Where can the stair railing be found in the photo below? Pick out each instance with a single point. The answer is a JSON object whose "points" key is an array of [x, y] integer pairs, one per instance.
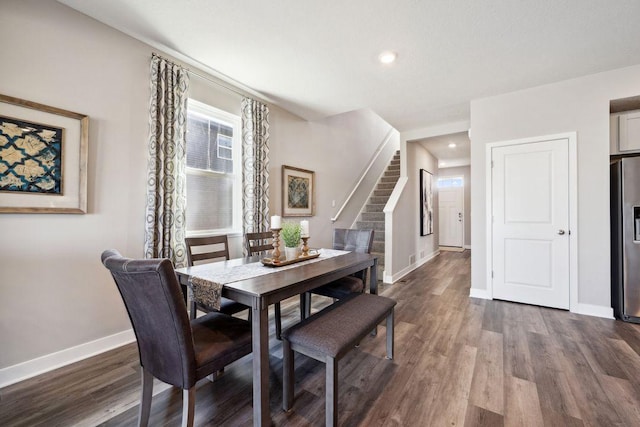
{"points": [[379, 150]]}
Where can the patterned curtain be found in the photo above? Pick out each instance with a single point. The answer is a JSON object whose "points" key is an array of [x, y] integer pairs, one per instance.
{"points": [[166, 177], [255, 166]]}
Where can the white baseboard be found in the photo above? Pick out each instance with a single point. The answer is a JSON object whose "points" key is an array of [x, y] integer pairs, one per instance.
{"points": [[594, 310], [31, 368], [479, 293], [399, 275]]}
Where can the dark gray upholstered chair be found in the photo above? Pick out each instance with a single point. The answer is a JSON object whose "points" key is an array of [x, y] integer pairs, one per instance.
{"points": [[215, 248], [260, 243], [172, 348], [348, 240]]}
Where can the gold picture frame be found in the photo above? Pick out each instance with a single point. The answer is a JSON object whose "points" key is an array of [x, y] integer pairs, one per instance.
{"points": [[43, 158], [298, 189]]}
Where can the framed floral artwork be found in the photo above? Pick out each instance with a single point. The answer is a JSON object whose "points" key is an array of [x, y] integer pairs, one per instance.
{"points": [[298, 188], [43, 158]]}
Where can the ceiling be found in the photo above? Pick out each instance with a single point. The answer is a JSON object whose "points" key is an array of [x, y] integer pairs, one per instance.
{"points": [[319, 58], [439, 146]]}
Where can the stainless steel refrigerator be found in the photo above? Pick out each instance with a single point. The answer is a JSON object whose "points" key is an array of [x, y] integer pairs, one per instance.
{"points": [[625, 238]]}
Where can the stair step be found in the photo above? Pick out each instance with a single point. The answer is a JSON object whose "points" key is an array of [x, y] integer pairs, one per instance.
{"points": [[387, 179], [378, 246], [392, 172], [385, 185], [378, 236], [374, 207], [378, 200], [373, 216], [386, 192], [371, 225]]}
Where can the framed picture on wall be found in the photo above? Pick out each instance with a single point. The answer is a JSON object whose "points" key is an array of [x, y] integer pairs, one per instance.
{"points": [[298, 189], [43, 158], [426, 203]]}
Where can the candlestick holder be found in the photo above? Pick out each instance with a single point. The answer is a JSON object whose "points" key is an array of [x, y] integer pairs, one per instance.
{"points": [[305, 248], [275, 255]]}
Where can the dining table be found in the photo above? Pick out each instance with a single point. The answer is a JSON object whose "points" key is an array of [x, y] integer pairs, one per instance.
{"points": [[250, 282]]}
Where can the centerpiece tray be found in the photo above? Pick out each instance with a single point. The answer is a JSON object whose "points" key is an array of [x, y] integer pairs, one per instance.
{"points": [[270, 263]]}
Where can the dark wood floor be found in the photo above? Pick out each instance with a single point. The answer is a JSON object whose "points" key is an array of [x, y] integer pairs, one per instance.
{"points": [[459, 361]]}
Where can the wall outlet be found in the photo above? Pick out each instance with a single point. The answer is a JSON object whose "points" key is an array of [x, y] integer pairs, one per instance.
{"points": [[412, 259], [333, 203], [421, 254]]}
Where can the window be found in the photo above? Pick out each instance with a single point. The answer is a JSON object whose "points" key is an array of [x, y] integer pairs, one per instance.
{"points": [[450, 182], [214, 175]]}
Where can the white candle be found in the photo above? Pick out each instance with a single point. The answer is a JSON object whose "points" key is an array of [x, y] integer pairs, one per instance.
{"points": [[276, 221], [304, 228]]}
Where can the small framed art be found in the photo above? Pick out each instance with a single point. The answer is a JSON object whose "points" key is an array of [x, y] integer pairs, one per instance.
{"points": [[298, 189]]}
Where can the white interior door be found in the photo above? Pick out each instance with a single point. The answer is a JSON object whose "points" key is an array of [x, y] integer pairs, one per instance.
{"points": [[451, 225], [530, 220]]}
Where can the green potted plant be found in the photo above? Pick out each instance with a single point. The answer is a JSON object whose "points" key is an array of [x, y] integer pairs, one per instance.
{"points": [[290, 234]]}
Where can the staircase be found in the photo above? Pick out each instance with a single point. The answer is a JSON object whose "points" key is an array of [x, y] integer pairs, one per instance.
{"points": [[372, 217]]}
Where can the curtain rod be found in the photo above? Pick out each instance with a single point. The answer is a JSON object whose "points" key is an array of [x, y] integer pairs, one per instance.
{"points": [[244, 94]]}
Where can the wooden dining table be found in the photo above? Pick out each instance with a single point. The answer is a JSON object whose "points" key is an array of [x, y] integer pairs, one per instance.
{"points": [[263, 290]]}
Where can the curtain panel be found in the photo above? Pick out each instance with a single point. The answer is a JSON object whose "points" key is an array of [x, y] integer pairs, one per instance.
{"points": [[255, 166], [166, 177]]}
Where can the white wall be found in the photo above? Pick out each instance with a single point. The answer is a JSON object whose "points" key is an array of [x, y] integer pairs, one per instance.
{"points": [[465, 172], [409, 248], [56, 298], [580, 105], [55, 294], [337, 149]]}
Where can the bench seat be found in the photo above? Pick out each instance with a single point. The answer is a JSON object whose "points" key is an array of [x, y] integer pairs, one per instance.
{"points": [[331, 333]]}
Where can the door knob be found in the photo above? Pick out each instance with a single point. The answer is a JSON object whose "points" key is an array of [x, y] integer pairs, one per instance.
{"points": [[561, 232]]}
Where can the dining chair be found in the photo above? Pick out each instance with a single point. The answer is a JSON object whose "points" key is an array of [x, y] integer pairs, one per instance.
{"points": [[348, 240], [172, 348], [257, 243], [211, 249]]}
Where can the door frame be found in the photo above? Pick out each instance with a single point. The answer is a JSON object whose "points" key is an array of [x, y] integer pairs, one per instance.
{"points": [[463, 190], [573, 209]]}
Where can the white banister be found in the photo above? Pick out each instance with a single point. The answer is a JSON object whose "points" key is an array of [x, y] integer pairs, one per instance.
{"points": [[387, 138]]}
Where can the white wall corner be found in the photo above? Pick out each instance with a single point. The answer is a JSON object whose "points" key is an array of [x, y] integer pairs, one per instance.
{"points": [[392, 278], [444, 129], [593, 310], [49, 362], [480, 293]]}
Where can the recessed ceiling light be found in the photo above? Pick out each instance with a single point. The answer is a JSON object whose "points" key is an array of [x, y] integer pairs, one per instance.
{"points": [[387, 57], [452, 145]]}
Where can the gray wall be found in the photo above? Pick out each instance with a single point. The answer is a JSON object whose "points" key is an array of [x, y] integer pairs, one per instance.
{"points": [[579, 105], [56, 299], [409, 248]]}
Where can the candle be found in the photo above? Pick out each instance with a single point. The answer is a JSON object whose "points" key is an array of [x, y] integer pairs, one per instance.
{"points": [[276, 221], [304, 228]]}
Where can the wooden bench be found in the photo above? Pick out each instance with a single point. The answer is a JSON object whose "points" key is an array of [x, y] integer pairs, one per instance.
{"points": [[330, 334]]}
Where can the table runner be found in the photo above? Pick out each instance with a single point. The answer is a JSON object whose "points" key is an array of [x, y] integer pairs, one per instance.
{"points": [[208, 291]]}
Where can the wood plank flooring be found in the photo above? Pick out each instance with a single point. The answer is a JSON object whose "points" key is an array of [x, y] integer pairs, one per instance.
{"points": [[459, 361]]}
